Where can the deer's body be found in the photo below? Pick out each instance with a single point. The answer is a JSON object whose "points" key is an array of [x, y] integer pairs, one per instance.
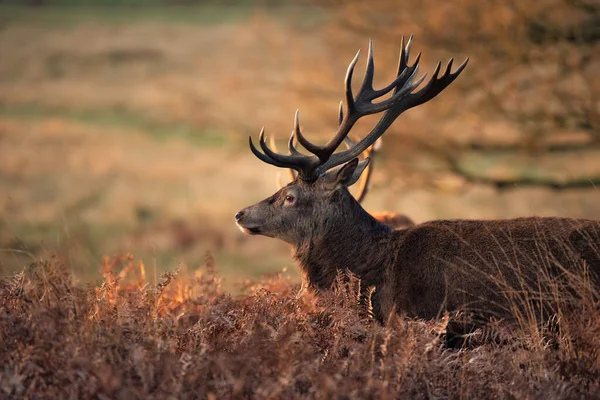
{"points": [[422, 270], [448, 265]]}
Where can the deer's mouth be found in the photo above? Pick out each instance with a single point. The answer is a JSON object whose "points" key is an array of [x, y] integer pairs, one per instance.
{"points": [[251, 231], [248, 229]]}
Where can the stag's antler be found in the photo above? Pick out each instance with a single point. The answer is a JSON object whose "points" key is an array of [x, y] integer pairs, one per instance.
{"points": [[310, 167]]}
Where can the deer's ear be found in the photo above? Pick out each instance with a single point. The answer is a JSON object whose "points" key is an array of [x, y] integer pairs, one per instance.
{"points": [[346, 175], [360, 168]]}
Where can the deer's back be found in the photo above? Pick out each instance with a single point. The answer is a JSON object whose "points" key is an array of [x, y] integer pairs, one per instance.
{"points": [[455, 264]]}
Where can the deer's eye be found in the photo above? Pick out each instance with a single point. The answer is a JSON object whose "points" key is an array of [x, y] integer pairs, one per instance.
{"points": [[289, 199]]}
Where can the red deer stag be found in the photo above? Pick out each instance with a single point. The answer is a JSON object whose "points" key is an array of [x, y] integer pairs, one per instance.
{"points": [[428, 268], [393, 219]]}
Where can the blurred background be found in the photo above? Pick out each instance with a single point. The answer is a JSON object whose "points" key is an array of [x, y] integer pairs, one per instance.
{"points": [[124, 124]]}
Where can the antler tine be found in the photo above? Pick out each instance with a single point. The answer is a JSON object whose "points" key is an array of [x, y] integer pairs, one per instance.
{"points": [[405, 55], [272, 143], [348, 142], [292, 150], [290, 171], [295, 133], [324, 152], [435, 84], [365, 183], [305, 165], [291, 146], [263, 157], [377, 145], [365, 178], [348, 81], [278, 176], [404, 68], [367, 85]]}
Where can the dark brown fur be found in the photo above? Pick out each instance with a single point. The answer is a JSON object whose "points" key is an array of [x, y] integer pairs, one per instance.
{"points": [[428, 268]]}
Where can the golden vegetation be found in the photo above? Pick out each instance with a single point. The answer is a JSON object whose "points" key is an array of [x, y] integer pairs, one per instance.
{"points": [[184, 338]]}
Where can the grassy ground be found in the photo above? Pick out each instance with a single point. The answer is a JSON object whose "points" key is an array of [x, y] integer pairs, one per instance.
{"points": [[124, 130]]}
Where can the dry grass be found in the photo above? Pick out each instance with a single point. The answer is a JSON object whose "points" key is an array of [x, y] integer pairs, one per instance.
{"points": [[184, 338]]}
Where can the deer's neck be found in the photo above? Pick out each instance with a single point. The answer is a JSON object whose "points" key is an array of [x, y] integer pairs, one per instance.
{"points": [[352, 240]]}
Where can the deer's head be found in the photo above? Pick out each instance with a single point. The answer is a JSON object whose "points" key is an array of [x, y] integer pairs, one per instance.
{"points": [[318, 197], [290, 213]]}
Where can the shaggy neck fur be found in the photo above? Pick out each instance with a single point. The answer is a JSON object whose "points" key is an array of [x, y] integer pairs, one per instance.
{"points": [[349, 239]]}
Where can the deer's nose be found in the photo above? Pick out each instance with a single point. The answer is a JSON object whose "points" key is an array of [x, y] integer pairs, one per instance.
{"points": [[239, 215]]}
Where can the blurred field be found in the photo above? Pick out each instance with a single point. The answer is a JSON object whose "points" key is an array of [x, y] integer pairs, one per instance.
{"points": [[125, 129]]}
